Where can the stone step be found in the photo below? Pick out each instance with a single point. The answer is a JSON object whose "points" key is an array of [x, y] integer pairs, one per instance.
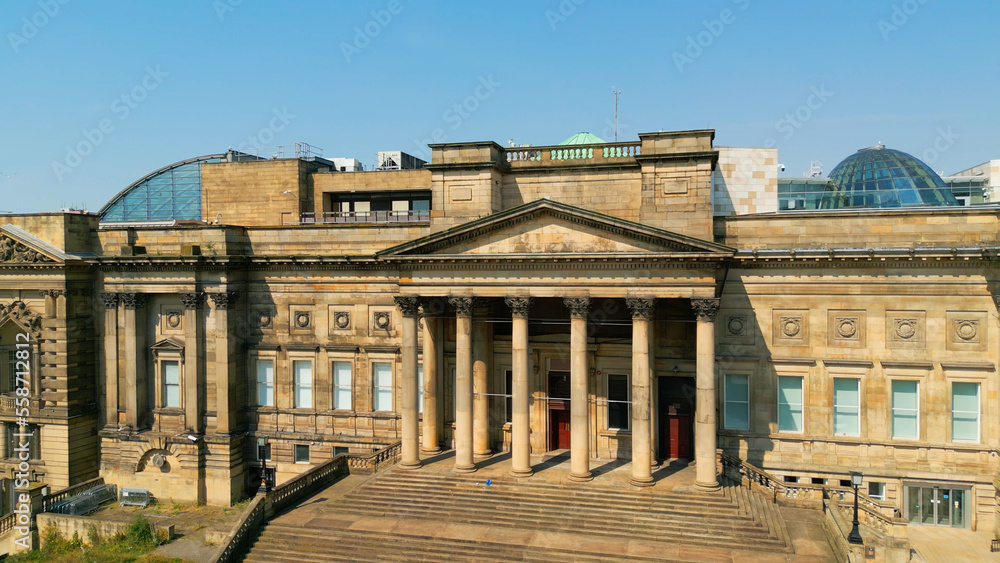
{"points": [[445, 508], [730, 536], [292, 543]]}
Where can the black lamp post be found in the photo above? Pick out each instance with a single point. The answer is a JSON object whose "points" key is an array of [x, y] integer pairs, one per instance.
{"points": [[855, 537], [265, 478]]}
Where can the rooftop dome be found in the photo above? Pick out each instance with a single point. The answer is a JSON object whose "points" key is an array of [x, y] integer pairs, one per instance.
{"points": [[583, 138], [879, 177]]}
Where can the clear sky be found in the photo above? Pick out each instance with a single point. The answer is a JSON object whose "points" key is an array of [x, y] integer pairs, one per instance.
{"points": [[97, 93]]}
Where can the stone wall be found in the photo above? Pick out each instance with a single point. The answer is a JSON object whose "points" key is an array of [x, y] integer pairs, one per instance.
{"points": [[745, 181]]}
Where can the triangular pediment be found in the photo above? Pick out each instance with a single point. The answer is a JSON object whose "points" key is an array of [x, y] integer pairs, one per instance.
{"points": [[18, 246], [546, 227]]}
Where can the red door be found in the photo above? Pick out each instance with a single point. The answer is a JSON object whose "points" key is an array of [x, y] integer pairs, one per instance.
{"points": [[559, 421], [678, 433]]}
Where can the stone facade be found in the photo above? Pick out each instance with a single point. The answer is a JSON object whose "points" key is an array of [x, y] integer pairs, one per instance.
{"points": [[585, 298]]}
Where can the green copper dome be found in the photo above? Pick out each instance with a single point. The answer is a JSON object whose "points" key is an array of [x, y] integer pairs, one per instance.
{"points": [[878, 177], [584, 138]]}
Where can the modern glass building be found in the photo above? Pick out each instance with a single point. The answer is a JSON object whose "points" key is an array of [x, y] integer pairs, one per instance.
{"points": [[171, 193], [875, 177]]}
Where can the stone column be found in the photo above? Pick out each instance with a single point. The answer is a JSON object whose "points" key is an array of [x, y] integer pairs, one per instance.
{"points": [[520, 448], [110, 360], [464, 462], [706, 477], [578, 402], [223, 374], [653, 380], [194, 376], [136, 372], [482, 355], [410, 448], [642, 313], [432, 349]]}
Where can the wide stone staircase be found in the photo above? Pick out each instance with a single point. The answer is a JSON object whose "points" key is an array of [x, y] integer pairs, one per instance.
{"points": [[436, 516]]}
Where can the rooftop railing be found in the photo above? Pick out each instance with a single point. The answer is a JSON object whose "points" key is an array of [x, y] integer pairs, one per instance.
{"points": [[562, 155], [349, 217]]}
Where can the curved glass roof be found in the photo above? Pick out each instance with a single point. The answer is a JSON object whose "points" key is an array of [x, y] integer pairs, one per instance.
{"points": [[584, 138], [879, 177], [170, 193]]}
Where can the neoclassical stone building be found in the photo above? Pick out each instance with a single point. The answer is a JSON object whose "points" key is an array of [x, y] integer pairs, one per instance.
{"points": [[609, 301]]}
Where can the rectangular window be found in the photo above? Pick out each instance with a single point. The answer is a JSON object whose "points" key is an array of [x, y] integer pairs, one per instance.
{"points": [[302, 373], [342, 380], [846, 407], [10, 443], [965, 412], [737, 396], [508, 389], [11, 371], [420, 387], [904, 409], [382, 386], [790, 404], [264, 452], [618, 406], [171, 370], [265, 383], [876, 490], [301, 453], [337, 450]]}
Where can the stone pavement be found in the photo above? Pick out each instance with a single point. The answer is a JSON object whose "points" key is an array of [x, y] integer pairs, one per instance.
{"points": [[936, 544]]}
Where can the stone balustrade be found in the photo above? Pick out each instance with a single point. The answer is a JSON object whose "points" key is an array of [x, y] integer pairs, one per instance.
{"points": [[562, 155]]}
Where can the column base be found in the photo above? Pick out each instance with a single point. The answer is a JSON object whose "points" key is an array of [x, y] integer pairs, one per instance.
{"points": [[483, 454], [641, 481], [432, 451], [409, 465], [583, 478], [465, 468], [707, 487], [521, 473]]}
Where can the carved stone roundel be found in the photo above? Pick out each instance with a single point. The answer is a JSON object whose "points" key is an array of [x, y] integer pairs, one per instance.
{"points": [[906, 328], [382, 320], [737, 325], [966, 330], [263, 319], [791, 326], [173, 319], [342, 320], [847, 328], [302, 319]]}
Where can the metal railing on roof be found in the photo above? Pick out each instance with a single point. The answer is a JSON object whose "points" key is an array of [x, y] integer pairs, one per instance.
{"points": [[356, 217]]}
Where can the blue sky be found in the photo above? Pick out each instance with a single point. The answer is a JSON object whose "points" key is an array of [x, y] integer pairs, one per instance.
{"points": [[97, 94]]}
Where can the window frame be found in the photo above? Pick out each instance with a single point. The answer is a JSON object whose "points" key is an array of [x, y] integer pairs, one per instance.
{"points": [[628, 398], [163, 352], [165, 385], [893, 409], [256, 370], [726, 401], [801, 405], [375, 387], [337, 387], [295, 453], [979, 412], [834, 407], [296, 387]]}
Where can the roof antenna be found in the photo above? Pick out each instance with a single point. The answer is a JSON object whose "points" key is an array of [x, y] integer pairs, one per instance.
{"points": [[616, 93]]}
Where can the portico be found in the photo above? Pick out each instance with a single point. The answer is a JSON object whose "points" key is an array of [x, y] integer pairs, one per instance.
{"points": [[560, 279]]}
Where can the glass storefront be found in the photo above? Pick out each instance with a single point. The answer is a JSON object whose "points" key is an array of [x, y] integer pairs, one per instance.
{"points": [[937, 506]]}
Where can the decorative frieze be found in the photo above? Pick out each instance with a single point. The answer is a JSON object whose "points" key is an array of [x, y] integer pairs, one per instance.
{"points": [[15, 252]]}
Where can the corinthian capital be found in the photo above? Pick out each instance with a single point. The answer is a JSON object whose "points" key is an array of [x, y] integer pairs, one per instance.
{"points": [[705, 309]]}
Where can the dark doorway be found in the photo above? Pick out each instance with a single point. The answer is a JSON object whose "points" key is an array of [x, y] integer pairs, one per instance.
{"points": [[559, 413], [676, 413]]}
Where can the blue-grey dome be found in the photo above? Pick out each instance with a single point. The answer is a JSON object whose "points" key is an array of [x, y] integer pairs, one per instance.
{"points": [[880, 177]]}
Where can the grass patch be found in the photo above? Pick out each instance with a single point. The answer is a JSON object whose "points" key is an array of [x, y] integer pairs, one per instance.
{"points": [[131, 545]]}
